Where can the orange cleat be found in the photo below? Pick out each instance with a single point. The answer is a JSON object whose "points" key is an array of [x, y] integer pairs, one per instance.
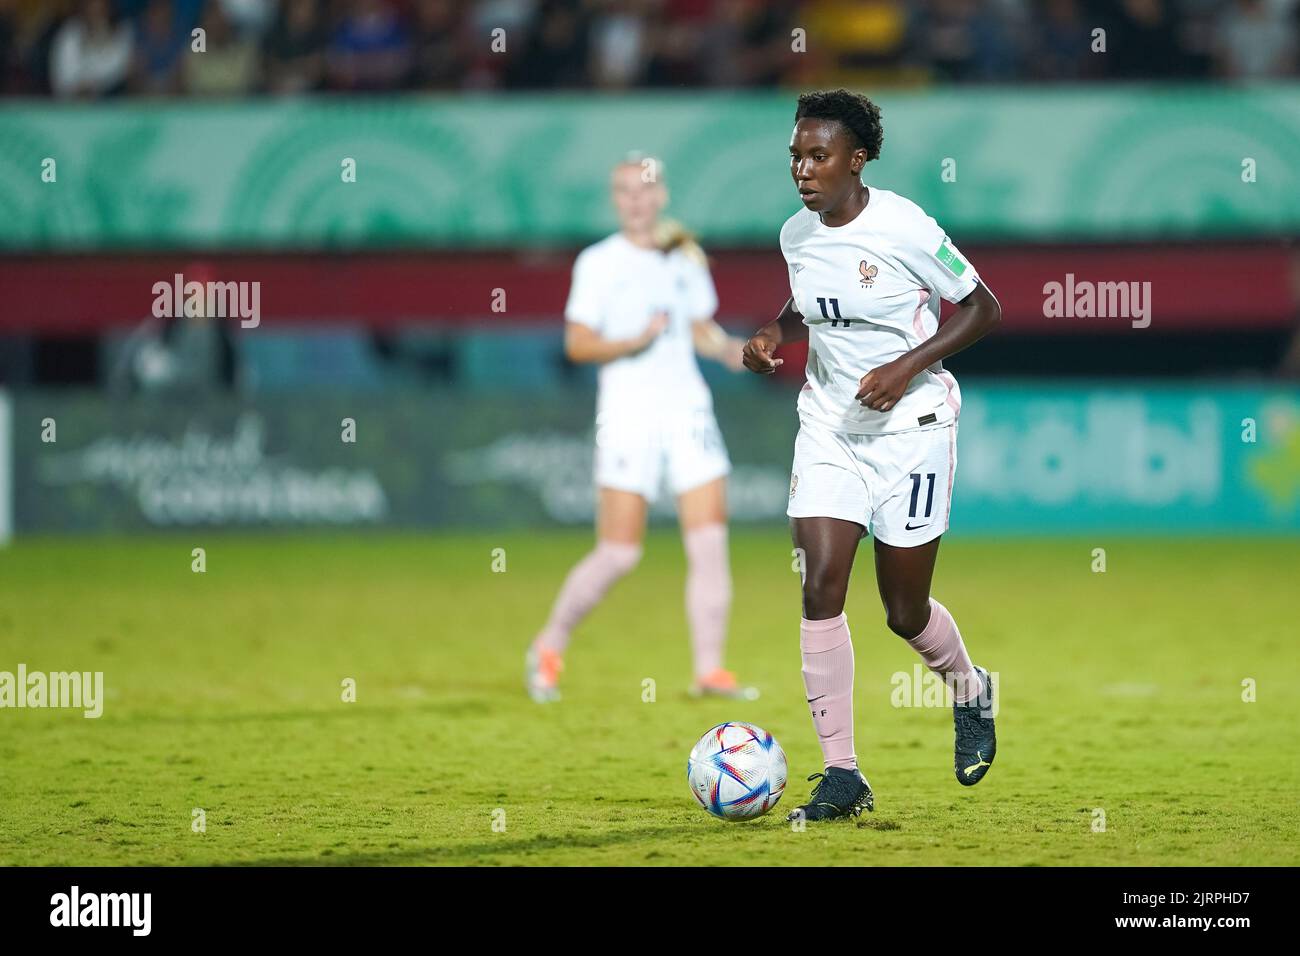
{"points": [[542, 668], [722, 683]]}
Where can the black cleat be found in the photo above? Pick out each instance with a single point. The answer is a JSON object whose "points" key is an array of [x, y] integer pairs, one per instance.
{"points": [[975, 742], [839, 793]]}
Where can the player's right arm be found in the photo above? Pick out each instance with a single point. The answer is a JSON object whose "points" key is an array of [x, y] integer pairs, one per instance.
{"points": [[585, 313], [760, 350], [582, 343]]}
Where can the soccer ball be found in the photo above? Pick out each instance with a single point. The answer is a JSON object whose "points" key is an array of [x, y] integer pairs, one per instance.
{"points": [[737, 771]]}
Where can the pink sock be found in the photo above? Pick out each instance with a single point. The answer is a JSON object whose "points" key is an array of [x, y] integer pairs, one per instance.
{"points": [[708, 595], [940, 646], [584, 587], [828, 678]]}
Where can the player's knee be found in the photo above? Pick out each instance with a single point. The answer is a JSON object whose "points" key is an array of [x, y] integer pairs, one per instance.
{"points": [[907, 620], [621, 558], [823, 595]]}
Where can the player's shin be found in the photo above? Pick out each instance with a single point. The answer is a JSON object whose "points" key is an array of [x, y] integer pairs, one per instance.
{"points": [[827, 651], [943, 651], [708, 596], [586, 584]]}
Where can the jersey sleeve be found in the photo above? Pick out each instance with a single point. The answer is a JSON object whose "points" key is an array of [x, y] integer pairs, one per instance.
{"points": [[701, 295], [932, 257], [789, 266], [585, 294]]}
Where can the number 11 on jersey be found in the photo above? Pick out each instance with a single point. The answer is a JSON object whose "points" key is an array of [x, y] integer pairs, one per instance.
{"points": [[835, 307]]}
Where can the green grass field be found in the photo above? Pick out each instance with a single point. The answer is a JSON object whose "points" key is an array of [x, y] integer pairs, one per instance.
{"points": [[1120, 691]]}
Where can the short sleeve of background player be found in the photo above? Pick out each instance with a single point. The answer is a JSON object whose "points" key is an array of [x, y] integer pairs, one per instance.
{"points": [[702, 301], [585, 294], [932, 257]]}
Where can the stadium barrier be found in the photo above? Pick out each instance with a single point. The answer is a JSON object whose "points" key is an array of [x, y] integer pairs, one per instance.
{"points": [[78, 295], [1032, 459]]}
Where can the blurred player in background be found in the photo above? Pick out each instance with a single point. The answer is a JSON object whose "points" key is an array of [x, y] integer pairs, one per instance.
{"points": [[877, 445], [182, 353], [641, 305]]}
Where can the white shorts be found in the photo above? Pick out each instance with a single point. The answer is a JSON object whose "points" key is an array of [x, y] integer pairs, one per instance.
{"points": [[685, 450], [897, 486]]}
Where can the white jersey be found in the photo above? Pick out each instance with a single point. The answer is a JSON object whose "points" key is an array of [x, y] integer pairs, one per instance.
{"points": [[869, 291], [617, 288]]}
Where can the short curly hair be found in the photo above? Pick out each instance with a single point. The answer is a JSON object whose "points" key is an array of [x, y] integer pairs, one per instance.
{"points": [[853, 111]]}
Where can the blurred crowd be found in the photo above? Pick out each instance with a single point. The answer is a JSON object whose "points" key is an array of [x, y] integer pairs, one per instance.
{"points": [[96, 48]]}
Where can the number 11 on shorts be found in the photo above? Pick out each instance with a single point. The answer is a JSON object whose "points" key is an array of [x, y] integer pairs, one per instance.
{"points": [[916, 492]]}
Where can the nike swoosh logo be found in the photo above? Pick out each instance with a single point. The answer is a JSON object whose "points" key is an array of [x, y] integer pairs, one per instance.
{"points": [[917, 528], [814, 699]]}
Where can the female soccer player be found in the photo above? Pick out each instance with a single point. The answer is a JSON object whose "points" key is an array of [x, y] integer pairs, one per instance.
{"points": [[641, 305], [876, 449]]}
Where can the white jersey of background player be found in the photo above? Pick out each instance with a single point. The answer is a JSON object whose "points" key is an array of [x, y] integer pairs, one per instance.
{"points": [[877, 445], [641, 306]]}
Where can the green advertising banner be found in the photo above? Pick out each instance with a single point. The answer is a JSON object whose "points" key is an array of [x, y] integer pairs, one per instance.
{"points": [[1031, 459], [513, 171]]}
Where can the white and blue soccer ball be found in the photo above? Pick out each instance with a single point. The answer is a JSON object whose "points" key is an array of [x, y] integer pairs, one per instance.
{"points": [[737, 771]]}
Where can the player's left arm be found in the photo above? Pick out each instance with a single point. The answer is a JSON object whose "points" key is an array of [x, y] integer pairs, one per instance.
{"points": [[700, 299], [712, 342], [976, 316]]}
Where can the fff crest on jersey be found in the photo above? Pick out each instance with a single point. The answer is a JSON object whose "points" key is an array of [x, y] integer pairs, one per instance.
{"points": [[868, 274]]}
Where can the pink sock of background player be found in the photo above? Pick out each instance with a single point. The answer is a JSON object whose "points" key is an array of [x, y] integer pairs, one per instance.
{"points": [[586, 584], [708, 595]]}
